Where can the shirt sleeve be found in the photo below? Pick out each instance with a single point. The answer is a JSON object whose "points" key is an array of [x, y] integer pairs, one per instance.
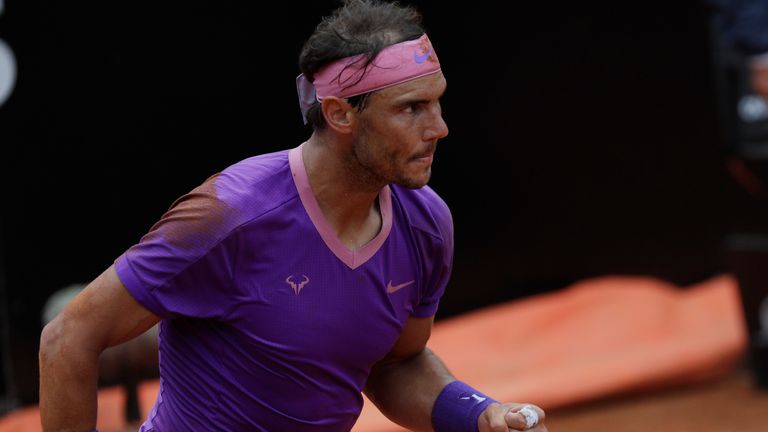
{"points": [[183, 266]]}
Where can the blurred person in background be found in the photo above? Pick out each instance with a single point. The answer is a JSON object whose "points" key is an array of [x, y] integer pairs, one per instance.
{"points": [[740, 37], [742, 25], [741, 60]]}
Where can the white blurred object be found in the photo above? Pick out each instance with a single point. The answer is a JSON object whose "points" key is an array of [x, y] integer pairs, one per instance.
{"points": [[753, 108], [7, 71], [7, 67], [58, 300]]}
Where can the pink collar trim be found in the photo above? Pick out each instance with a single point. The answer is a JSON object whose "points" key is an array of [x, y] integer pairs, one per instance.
{"points": [[352, 258]]}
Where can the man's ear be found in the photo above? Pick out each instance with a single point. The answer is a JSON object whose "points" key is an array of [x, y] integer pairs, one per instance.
{"points": [[338, 113]]}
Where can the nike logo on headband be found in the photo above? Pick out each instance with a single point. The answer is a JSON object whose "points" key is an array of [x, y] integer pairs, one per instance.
{"points": [[423, 57]]}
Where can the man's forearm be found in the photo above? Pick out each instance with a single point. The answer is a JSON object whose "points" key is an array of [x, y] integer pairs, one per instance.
{"points": [[405, 390], [68, 382]]}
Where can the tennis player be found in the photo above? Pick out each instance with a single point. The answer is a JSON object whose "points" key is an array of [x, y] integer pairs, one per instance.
{"points": [[292, 282]]}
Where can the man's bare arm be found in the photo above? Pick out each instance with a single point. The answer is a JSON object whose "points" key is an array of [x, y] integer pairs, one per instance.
{"points": [[102, 315], [406, 383]]}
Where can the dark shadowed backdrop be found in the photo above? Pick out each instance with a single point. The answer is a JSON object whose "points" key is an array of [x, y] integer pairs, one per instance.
{"points": [[584, 139]]}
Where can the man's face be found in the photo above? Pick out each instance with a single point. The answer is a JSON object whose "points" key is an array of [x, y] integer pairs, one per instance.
{"points": [[398, 131]]}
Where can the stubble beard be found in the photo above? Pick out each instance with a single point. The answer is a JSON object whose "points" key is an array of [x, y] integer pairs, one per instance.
{"points": [[377, 169]]}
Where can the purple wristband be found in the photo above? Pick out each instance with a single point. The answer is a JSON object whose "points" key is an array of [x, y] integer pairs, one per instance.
{"points": [[457, 408]]}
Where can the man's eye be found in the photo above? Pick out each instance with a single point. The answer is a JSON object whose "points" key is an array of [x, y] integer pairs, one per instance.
{"points": [[414, 107]]}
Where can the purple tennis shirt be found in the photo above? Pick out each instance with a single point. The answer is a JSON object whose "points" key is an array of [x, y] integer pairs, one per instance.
{"points": [[270, 323]]}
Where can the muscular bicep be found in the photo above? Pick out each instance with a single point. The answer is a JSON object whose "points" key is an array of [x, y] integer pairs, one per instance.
{"points": [[105, 313], [405, 384], [413, 339]]}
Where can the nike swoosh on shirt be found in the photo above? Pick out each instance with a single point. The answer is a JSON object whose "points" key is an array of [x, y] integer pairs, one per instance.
{"points": [[394, 288]]}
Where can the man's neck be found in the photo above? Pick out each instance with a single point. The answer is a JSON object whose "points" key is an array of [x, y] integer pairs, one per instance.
{"points": [[349, 206]]}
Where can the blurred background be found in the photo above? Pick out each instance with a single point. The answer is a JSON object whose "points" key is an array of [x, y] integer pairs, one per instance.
{"points": [[585, 139]]}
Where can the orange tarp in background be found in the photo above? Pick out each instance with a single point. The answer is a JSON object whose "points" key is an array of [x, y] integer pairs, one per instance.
{"points": [[597, 338]]}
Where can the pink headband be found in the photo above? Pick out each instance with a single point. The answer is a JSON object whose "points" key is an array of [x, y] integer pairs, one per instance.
{"points": [[395, 64]]}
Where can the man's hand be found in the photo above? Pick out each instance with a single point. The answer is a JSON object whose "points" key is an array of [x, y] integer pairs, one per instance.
{"points": [[507, 417]]}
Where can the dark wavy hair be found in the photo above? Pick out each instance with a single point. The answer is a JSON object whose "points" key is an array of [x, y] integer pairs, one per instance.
{"points": [[356, 27]]}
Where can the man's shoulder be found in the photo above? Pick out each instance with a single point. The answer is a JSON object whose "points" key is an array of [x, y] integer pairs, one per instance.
{"points": [[424, 196], [424, 208], [258, 178], [259, 167], [246, 189]]}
